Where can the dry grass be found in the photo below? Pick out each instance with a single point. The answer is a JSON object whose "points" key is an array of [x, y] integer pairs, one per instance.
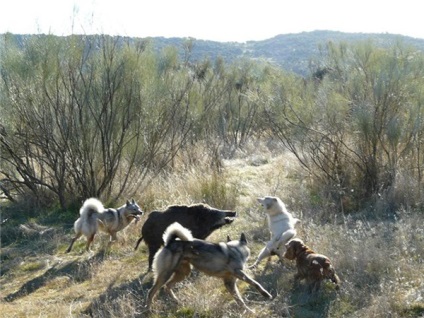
{"points": [[380, 262]]}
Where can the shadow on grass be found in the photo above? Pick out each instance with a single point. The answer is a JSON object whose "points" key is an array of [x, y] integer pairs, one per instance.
{"points": [[290, 300], [315, 305], [77, 270], [134, 292], [129, 298]]}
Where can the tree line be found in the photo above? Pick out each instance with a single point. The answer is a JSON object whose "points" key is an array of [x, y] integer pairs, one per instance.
{"points": [[100, 116]]}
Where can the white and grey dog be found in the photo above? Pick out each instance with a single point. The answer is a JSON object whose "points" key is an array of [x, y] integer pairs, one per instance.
{"points": [[174, 261], [93, 215], [281, 225]]}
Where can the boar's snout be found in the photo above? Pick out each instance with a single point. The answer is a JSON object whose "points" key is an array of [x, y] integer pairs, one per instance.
{"points": [[229, 216]]}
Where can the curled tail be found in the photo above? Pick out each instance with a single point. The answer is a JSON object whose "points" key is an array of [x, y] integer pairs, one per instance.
{"points": [[176, 230], [138, 243], [87, 222], [90, 207], [165, 260]]}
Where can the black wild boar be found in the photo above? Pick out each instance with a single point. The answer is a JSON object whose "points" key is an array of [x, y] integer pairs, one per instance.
{"points": [[200, 219]]}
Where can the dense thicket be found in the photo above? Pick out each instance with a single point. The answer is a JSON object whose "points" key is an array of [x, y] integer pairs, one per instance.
{"points": [[358, 126], [98, 116]]}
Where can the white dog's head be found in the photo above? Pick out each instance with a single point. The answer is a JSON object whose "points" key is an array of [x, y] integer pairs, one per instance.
{"points": [[273, 205]]}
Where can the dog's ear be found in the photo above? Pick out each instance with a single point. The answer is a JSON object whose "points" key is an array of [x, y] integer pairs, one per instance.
{"points": [[289, 253], [243, 239], [228, 238], [132, 201], [128, 202]]}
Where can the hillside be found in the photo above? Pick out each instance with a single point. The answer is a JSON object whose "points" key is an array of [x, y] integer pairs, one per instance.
{"points": [[289, 51], [293, 51]]}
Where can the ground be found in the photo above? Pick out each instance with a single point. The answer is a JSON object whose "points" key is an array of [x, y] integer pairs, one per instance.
{"points": [[380, 262]]}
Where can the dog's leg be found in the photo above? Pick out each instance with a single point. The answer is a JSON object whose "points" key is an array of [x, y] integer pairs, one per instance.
{"points": [[267, 264], [160, 280], [230, 284], [314, 285], [89, 241], [77, 236], [152, 251], [297, 278], [244, 277], [113, 237], [180, 273], [165, 264], [280, 255], [285, 238], [279, 246], [264, 253]]}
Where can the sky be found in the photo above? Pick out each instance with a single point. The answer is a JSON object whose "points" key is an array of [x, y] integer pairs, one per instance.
{"points": [[216, 20]]}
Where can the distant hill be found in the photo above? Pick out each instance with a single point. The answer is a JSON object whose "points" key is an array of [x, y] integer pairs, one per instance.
{"points": [[293, 51], [289, 51]]}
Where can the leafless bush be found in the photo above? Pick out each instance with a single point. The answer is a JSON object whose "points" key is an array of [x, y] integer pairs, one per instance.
{"points": [[89, 116], [357, 128]]}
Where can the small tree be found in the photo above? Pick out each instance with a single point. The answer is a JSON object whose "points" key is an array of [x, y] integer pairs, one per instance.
{"points": [[89, 116]]}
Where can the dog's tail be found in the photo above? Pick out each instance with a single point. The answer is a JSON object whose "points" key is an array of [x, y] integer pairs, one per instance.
{"points": [[176, 230], [87, 222], [138, 243], [165, 262], [91, 206]]}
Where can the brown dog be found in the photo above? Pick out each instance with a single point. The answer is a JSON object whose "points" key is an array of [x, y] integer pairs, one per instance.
{"points": [[312, 267]]}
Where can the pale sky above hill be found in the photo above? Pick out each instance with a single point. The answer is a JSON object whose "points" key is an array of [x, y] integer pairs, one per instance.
{"points": [[217, 20]]}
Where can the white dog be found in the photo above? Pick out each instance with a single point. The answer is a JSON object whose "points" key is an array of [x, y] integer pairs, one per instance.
{"points": [[281, 225]]}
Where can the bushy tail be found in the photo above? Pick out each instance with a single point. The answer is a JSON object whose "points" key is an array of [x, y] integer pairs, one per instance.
{"points": [[165, 262], [90, 207], [176, 230], [87, 222]]}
